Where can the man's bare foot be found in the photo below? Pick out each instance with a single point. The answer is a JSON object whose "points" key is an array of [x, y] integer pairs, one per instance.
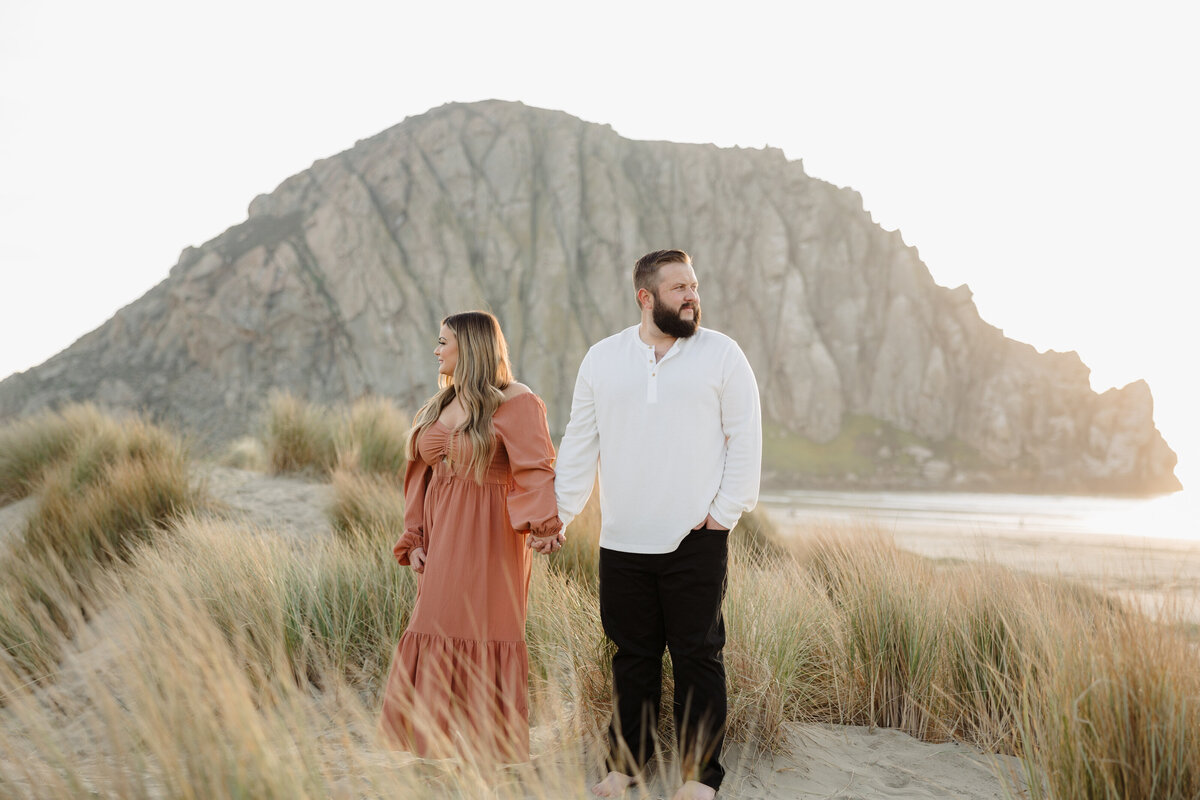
{"points": [[613, 785], [694, 790]]}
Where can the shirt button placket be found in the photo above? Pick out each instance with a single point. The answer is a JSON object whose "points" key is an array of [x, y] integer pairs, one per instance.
{"points": [[652, 382]]}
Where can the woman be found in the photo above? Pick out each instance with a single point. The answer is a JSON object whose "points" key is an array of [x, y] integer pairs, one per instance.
{"points": [[479, 477]]}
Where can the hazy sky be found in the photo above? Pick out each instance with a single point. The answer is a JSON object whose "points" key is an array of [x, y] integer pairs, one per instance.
{"points": [[1043, 153]]}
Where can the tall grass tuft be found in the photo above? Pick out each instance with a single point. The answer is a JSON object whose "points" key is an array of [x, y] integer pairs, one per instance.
{"points": [[248, 452], [367, 437], [990, 650], [346, 606], [366, 505], [30, 445], [782, 650], [299, 435], [757, 540], [38, 609], [153, 703], [371, 435], [327, 606], [571, 684], [579, 557], [889, 608], [107, 487], [1113, 714], [121, 486]]}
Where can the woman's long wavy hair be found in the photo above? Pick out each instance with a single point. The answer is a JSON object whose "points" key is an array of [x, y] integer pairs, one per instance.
{"points": [[480, 377]]}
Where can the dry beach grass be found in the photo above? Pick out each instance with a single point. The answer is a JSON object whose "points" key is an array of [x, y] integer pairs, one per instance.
{"points": [[179, 652]]}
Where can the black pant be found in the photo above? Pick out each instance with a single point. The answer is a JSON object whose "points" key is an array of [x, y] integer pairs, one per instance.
{"points": [[652, 600]]}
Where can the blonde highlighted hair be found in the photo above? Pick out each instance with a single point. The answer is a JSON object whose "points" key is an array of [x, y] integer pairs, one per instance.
{"points": [[481, 375]]}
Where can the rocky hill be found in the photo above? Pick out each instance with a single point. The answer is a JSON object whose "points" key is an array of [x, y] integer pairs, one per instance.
{"points": [[335, 284]]}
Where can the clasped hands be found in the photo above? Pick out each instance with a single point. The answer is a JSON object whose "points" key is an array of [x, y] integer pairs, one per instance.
{"points": [[546, 544]]}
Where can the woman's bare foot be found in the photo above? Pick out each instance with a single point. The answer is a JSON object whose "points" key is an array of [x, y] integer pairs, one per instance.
{"points": [[694, 790], [613, 785]]}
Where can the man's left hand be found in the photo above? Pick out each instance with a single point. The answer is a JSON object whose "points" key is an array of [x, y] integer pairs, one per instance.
{"points": [[711, 524]]}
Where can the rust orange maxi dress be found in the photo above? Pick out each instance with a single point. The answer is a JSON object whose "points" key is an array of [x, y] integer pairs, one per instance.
{"points": [[459, 678]]}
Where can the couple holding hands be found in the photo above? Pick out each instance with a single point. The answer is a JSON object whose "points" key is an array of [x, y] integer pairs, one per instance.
{"points": [[667, 412]]}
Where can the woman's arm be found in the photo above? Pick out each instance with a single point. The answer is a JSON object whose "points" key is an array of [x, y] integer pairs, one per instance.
{"points": [[531, 504], [416, 480]]}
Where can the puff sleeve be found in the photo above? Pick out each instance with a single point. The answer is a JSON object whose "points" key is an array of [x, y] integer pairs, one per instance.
{"points": [[520, 425], [416, 480]]}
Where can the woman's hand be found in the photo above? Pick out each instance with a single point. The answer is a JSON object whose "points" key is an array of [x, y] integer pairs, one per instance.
{"points": [[546, 544], [416, 559]]}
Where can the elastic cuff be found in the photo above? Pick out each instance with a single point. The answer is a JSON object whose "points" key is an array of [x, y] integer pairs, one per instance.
{"points": [[408, 542], [551, 527]]}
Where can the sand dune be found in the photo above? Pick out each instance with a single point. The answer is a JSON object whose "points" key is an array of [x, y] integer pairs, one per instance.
{"points": [[824, 761], [831, 761]]}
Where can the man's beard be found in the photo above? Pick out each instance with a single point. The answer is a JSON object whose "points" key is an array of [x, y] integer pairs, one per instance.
{"points": [[670, 323]]}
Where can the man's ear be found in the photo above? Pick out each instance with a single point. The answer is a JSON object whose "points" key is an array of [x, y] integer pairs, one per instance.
{"points": [[642, 296]]}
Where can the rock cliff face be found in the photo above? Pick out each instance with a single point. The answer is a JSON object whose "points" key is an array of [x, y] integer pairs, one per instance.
{"points": [[335, 284]]}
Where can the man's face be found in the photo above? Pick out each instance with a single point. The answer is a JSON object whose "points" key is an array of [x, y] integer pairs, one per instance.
{"points": [[677, 300]]}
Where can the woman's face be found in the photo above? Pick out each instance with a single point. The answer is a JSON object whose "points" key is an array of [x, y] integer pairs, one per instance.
{"points": [[446, 352]]}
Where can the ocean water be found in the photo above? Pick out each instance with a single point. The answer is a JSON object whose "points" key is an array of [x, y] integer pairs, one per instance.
{"points": [[1173, 516]]}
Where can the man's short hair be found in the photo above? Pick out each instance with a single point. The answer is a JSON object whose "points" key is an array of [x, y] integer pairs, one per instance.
{"points": [[645, 272]]}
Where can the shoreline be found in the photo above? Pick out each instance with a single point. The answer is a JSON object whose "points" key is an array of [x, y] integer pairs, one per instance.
{"points": [[985, 483]]}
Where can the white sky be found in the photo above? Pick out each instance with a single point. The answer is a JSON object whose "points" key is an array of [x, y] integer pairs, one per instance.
{"points": [[1043, 153]]}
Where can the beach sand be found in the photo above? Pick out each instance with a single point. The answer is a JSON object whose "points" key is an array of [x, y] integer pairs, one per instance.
{"points": [[855, 763]]}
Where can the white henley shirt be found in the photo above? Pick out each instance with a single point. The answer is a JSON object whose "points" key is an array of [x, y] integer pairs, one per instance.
{"points": [[674, 440]]}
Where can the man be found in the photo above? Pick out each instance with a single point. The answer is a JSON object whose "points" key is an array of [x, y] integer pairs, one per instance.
{"points": [[668, 411]]}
